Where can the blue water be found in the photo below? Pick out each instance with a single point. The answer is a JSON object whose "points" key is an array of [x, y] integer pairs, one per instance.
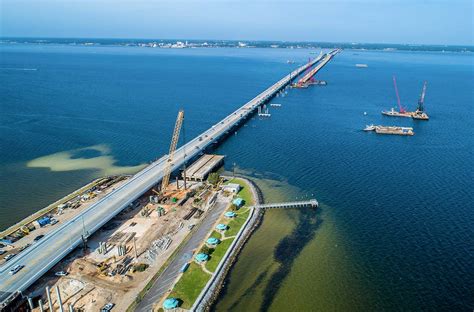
{"points": [[403, 206]]}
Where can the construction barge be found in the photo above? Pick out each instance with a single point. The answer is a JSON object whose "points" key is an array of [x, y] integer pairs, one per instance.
{"points": [[390, 130], [419, 114]]}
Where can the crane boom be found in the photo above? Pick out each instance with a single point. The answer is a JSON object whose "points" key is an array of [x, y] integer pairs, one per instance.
{"points": [[174, 143], [421, 101], [401, 109]]}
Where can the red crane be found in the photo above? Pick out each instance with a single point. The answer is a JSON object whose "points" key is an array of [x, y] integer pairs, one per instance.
{"points": [[401, 109]]}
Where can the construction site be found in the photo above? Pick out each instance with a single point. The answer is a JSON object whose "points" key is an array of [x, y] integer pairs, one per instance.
{"points": [[112, 266], [117, 262]]}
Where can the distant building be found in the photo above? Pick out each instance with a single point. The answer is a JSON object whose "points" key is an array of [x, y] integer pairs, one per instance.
{"points": [[232, 187]]}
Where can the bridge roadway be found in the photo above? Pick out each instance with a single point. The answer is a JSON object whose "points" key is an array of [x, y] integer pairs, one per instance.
{"points": [[44, 254], [326, 58]]}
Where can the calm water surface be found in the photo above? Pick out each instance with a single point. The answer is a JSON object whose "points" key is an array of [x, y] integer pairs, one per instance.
{"points": [[395, 229]]}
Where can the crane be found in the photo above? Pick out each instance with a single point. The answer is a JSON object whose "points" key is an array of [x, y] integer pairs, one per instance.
{"points": [[174, 143], [402, 110], [421, 101]]}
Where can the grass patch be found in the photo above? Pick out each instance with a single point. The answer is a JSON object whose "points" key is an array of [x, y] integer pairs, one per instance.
{"points": [[218, 253], [236, 223], [190, 285], [216, 235], [245, 192]]}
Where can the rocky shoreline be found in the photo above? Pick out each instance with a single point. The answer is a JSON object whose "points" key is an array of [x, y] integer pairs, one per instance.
{"points": [[209, 299]]}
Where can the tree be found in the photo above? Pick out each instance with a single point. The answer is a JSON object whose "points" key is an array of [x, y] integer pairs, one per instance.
{"points": [[213, 178]]}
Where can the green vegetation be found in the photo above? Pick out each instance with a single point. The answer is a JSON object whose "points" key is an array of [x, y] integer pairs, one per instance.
{"points": [[245, 192], [236, 223], [206, 250], [213, 178], [218, 253], [190, 285], [140, 267], [216, 234]]}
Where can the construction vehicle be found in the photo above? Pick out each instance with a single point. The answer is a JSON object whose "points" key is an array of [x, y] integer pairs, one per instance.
{"points": [[174, 143], [104, 265]]}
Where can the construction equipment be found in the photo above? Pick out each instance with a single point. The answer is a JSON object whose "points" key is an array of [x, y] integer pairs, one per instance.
{"points": [[401, 109], [420, 110], [174, 143]]}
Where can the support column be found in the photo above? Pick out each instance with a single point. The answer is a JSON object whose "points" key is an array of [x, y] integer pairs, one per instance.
{"points": [[50, 303], [60, 303], [40, 304], [30, 303]]}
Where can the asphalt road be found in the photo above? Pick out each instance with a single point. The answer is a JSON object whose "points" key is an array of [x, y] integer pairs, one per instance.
{"points": [[166, 279], [44, 254]]}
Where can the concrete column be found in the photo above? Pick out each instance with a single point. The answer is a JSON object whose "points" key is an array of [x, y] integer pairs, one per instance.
{"points": [[71, 309], [40, 305], [50, 303], [30, 303], [60, 303]]}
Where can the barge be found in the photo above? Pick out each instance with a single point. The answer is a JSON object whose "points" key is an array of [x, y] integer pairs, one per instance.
{"points": [[390, 130]]}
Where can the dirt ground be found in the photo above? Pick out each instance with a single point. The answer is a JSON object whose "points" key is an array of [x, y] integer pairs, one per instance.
{"points": [[95, 278]]}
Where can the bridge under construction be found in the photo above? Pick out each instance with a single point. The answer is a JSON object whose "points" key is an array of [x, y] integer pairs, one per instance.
{"points": [[308, 77], [43, 255]]}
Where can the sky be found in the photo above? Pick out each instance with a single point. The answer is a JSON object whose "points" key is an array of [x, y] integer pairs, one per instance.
{"points": [[447, 22]]}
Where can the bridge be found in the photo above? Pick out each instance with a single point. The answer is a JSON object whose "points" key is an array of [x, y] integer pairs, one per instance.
{"points": [[43, 255], [313, 203], [309, 75]]}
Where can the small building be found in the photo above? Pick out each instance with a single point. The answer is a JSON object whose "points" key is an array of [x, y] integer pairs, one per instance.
{"points": [[201, 257], [232, 188], [239, 202], [230, 214], [170, 304], [221, 227], [212, 242]]}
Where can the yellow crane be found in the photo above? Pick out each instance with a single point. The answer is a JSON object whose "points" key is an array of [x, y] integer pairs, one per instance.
{"points": [[174, 143]]}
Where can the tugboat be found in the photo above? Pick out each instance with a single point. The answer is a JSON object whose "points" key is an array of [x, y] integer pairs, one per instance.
{"points": [[402, 112], [420, 110]]}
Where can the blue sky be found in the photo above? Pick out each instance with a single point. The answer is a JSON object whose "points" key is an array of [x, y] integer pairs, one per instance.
{"points": [[384, 21]]}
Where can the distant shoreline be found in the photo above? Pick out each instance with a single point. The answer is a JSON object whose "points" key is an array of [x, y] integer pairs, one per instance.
{"points": [[188, 43]]}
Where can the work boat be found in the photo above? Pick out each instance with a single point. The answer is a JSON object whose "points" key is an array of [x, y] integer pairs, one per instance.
{"points": [[401, 111], [420, 110], [394, 113], [420, 115], [369, 128]]}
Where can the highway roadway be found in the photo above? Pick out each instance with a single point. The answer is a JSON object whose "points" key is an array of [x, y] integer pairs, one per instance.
{"points": [[44, 254]]}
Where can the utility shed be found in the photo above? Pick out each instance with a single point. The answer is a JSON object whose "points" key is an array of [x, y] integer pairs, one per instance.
{"points": [[232, 187], [201, 168]]}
